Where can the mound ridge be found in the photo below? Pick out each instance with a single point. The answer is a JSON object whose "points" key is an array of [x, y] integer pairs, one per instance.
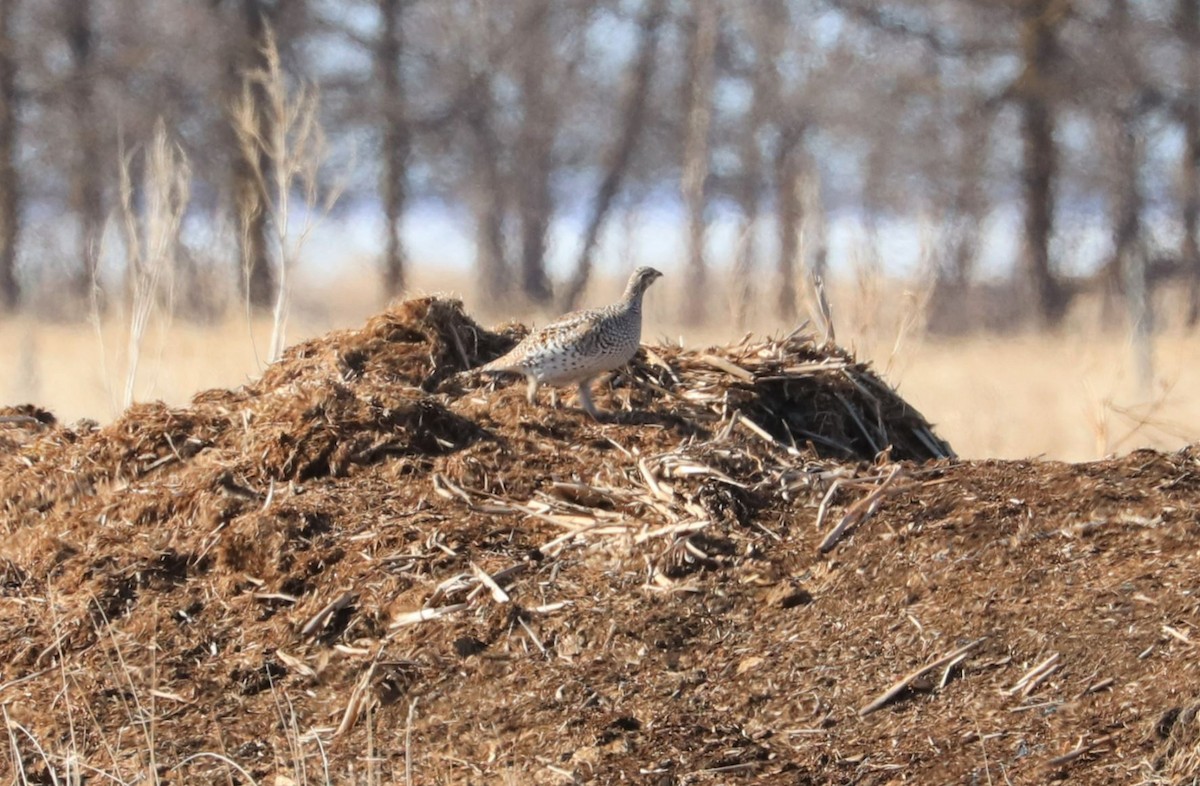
{"points": [[367, 565]]}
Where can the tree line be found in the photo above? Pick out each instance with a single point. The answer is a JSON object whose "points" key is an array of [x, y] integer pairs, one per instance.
{"points": [[782, 112]]}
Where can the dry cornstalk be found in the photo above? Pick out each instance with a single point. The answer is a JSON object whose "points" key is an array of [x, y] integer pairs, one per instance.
{"points": [[729, 367], [321, 617], [672, 529], [765, 435], [1038, 672], [296, 664], [354, 706], [1096, 687], [537, 642], [425, 615], [860, 511], [550, 608], [1039, 679], [656, 488], [21, 420], [162, 694], [1177, 634], [903, 683], [1081, 749], [498, 593]]}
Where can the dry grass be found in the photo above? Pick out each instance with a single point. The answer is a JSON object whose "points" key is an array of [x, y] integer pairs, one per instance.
{"points": [[1068, 397], [1072, 396]]}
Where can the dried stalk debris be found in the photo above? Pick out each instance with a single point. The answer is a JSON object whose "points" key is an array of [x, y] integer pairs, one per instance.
{"points": [[366, 528], [947, 662]]}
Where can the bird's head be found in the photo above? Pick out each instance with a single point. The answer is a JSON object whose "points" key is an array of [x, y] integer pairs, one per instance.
{"points": [[642, 278]]}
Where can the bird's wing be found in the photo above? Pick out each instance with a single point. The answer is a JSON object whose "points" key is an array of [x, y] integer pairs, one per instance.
{"points": [[569, 329]]}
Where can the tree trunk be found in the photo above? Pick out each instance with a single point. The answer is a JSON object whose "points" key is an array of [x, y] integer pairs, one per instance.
{"points": [[10, 185], [814, 220], [950, 310], [535, 152], [1129, 257], [633, 113], [970, 202], [1188, 26], [488, 197], [746, 258], [701, 69], [768, 27], [396, 145], [1039, 168], [788, 216], [85, 190], [251, 168]]}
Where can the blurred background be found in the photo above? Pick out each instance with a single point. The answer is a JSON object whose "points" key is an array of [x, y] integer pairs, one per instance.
{"points": [[1000, 196]]}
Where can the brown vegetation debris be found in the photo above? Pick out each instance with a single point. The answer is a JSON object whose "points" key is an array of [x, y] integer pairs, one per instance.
{"points": [[367, 553]]}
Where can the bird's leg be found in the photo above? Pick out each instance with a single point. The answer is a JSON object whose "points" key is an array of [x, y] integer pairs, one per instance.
{"points": [[585, 399], [554, 397], [531, 394]]}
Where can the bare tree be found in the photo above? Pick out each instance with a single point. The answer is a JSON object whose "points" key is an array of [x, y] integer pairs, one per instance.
{"points": [[483, 38], [789, 214], [972, 32], [86, 184], [250, 167], [702, 50], [487, 193], [396, 143], [620, 155], [535, 150], [486, 106], [1187, 23], [970, 197], [746, 254], [788, 106], [950, 309], [1129, 258], [767, 25], [1129, 93], [10, 184], [1040, 21]]}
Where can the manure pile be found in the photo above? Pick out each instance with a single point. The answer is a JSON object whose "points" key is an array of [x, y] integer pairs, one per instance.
{"points": [[766, 568]]}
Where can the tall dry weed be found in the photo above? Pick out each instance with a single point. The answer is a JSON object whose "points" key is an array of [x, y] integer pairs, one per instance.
{"points": [[295, 150], [152, 241]]}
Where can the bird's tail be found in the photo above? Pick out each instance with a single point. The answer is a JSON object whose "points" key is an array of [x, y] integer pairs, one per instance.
{"points": [[490, 369], [498, 366]]}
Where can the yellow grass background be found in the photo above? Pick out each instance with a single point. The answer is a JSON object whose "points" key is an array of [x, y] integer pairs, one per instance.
{"points": [[1071, 395]]}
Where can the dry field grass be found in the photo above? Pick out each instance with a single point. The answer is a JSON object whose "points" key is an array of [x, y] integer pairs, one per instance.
{"points": [[1070, 396]]}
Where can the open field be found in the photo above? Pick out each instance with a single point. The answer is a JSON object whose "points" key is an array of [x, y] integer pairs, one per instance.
{"points": [[1071, 396], [332, 576]]}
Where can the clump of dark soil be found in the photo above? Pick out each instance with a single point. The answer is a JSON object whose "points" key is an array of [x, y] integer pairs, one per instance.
{"points": [[763, 567]]}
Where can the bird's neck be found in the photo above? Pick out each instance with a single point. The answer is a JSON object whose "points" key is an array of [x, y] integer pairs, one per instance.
{"points": [[632, 300]]}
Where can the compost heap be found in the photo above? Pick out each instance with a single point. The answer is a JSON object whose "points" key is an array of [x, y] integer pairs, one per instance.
{"points": [[763, 567]]}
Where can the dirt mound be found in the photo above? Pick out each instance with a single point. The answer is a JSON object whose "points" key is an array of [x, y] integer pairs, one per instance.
{"points": [[368, 565]]}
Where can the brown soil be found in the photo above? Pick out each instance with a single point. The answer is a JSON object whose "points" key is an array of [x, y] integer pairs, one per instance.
{"points": [[765, 568]]}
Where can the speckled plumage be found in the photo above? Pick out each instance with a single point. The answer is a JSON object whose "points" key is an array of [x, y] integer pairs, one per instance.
{"points": [[581, 345]]}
